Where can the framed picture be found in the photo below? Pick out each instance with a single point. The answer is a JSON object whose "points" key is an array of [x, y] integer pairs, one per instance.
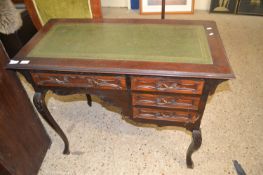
{"points": [[224, 6], [171, 6], [251, 7]]}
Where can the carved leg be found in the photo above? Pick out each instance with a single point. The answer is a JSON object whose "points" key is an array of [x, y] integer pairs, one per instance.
{"points": [[89, 100], [195, 145], [40, 104]]}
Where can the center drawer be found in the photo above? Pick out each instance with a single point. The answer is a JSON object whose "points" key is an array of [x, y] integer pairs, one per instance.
{"points": [[79, 80], [168, 101]]}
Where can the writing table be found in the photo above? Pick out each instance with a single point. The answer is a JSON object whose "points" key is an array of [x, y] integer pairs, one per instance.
{"points": [[154, 71]]}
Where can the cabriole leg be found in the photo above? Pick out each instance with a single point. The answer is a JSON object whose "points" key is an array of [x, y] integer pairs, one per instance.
{"points": [[89, 100], [40, 104], [195, 145]]}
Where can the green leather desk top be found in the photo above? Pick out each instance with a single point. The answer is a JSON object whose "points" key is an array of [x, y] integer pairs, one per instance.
{"points": [[131, 42]]}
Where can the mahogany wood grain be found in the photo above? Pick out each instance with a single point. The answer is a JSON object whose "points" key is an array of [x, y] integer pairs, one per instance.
{"points": [[75, 80], [96, 9], [23, 139], [166, 94], [164, 115], [171, 85], [166, 101], [33, 13], [220, 69]]}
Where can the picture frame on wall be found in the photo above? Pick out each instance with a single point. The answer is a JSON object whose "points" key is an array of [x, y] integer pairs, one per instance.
{"points": [[171, 6], [223, 6], [250, 7]]}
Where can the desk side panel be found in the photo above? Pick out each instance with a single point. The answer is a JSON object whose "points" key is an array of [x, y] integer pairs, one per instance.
{"points": [[23, 139]]}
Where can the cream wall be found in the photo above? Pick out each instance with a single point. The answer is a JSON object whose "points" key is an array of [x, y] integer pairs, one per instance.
{"points": [[199, 4], [115, 3], [202, 4]]}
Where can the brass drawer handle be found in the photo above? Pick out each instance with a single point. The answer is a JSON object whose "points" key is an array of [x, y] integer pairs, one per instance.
{"points": [[60, 81], [162, 86], [164, 115]]}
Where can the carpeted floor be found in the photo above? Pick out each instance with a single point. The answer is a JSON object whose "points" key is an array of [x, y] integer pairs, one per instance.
{"points": [[102, 143]]}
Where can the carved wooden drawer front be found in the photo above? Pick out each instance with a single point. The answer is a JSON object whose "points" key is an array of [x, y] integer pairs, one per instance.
{"points": [[172, 85], [163, 114], [74, 80], [168, 101]]}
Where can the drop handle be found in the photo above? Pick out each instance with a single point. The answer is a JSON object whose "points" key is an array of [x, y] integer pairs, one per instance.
{"points": [[58, 81], [95, 83], [163, 86], [65, 80], [161, 101]]}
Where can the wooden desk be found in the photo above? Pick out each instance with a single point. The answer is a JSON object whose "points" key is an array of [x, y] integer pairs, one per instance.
{"points": [[155, 71]]}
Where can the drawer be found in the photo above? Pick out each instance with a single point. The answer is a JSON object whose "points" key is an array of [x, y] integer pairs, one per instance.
{"points": [[168, 101], [164, 115], [172, 85], [75, 80]]}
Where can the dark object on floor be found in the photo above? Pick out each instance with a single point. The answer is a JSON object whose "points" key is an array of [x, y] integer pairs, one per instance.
{"points": [[14, 42], [23, 139], [238, 168]]}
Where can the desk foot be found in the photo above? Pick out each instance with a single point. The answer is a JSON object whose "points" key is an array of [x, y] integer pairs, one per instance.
{"points": [[195, 145], [40, 104], [89, 100], [66, 150]]}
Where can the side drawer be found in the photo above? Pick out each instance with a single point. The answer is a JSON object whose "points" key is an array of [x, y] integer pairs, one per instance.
{"points": [[164, 115], [75, 80], [172, 85], [167, 101]]}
